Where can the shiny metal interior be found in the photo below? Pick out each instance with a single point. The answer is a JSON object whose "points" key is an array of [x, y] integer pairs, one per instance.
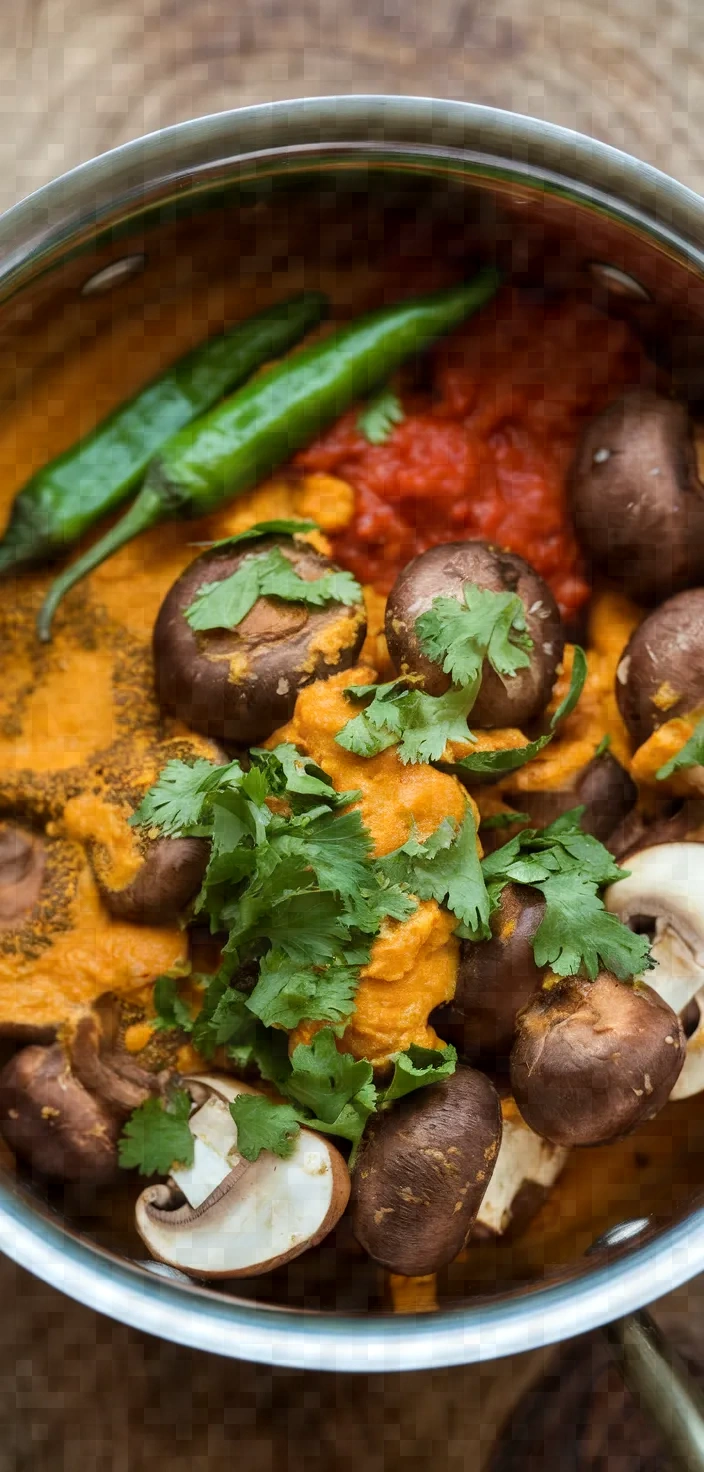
{"points": [[323, 181]]}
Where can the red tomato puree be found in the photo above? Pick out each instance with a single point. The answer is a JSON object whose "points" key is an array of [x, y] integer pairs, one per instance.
{"points": [[485, 447]]}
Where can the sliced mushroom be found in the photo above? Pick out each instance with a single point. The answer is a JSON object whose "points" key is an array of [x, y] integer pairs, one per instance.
{"points": [[224, 1217], [662, 895], [526, 1169], [443, 571], [495, 979], [637, 499], [593, 1058], [239, 684], [422, 1172], [661, 672]]}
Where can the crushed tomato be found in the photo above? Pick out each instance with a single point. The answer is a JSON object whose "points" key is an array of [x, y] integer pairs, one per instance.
{"points": [[485, 449]]}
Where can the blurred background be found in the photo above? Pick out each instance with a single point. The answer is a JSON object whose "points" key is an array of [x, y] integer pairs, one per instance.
{"points": [[78, 77]]}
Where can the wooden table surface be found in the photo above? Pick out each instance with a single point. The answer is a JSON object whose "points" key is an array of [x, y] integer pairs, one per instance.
{"points": [[77, 77]]}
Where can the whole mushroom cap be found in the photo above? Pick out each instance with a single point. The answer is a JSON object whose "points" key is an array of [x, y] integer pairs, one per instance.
{"points": [[443, 572], [593, 1058], [637, 500], [170, 876], [603, 787], [238, 685], [495, 979], [661, 672], [53, 1123], [422, 1172]]}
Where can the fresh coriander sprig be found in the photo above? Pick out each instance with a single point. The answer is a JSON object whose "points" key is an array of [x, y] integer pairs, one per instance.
{"points": [[569, 868], [157, 1136], [511, 758], [297, 892], [223, 604], [487, 626]]}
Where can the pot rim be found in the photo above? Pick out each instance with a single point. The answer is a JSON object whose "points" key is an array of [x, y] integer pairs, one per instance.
{"points": [[34, 232]]}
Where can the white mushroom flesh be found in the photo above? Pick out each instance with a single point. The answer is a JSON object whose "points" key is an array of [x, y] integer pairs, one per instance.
{"points": [[523, 1158], [242, 1218], [666, 887], [214, 1152]]}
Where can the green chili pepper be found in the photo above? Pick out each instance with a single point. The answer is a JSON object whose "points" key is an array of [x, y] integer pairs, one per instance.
{"points": [[68, 496], [243, 439]]}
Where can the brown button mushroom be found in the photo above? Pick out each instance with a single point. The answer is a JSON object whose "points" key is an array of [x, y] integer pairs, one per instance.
{"points": [[494, 981], [603, 787], [22, 858], [593, 1058], [239, 684], [661, 672], [637, 500], [443, 572], [62, 1107], [50, 1121], [422, 1172], [170, 876], [225, 1217]]}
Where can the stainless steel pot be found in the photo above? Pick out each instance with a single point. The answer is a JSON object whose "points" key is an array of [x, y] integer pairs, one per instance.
{"points": [[556, 207]]}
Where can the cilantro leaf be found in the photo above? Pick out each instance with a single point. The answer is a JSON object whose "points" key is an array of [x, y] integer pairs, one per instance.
{"points": [[689, 755], [421, 725], [175, 803], [278, 526], [171, 1010], [488, 626], [290, 774], [223, 604], [157, 1136], [509, 759], [416, 1068], [263, 1125], [446, 868], [286, 995], [323, 1079], [569, 867], [351, 1121], [577, 933], [379, 415]]}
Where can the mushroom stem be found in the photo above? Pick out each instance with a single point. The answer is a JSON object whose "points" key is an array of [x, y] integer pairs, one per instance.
{"points": [[157, 1198]]}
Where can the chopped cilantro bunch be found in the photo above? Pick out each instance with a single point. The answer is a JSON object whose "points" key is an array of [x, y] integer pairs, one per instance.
{"points": [[569, 868], [224, 603], [291, 880], [459, 636], [293, 883]]}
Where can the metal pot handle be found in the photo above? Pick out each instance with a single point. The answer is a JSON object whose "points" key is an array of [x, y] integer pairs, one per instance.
{"points": [[655, 1372]]}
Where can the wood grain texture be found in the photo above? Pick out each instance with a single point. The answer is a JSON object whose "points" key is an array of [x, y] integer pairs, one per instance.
{"points": [[76, 78]]}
